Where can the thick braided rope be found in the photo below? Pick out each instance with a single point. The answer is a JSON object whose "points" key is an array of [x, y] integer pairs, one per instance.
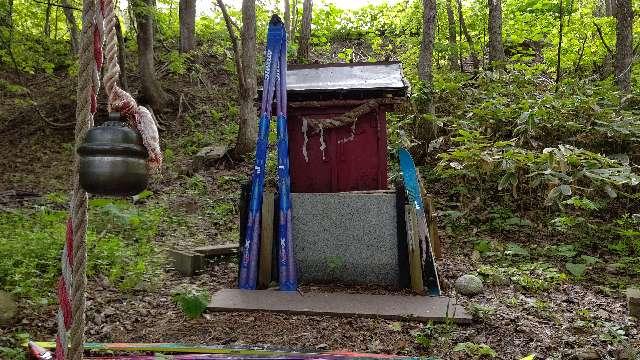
{"points": [[123, 102], [71, 286], [88, 86], [64, 290]]}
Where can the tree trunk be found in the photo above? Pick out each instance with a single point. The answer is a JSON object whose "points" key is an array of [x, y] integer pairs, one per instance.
{"points": [[467, 36], [610, 7], [248, 130], [453, 49], [294, 22], [122, 60], [425, 62], [47, 20], [10, 39], [152, 93], [305, 32], [72, 25], [244, 55], [55, 21], [287, 16], [496, 50], [559, 57], [624, 44], [187, 14]]}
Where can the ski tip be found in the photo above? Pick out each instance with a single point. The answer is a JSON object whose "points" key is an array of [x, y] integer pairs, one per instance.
{"points": [[275, 20]]}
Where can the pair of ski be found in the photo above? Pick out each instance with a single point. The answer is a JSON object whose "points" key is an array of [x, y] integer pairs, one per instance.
{"points": [[275, 76]]}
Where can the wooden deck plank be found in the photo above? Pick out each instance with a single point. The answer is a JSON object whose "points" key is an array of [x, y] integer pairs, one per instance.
{"points": [[217, 250], [392, 307], [413, 244], [266, 239]]}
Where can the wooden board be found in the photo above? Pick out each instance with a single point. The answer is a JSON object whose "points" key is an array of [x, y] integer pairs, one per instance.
{"points": [[434, 237], [413, 245], [191, 352], [266, 240], [392, 307], [217, 250], [172, 348]]}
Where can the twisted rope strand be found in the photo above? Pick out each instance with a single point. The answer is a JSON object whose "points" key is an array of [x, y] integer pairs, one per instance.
{"points": [[71, 286], [119, 100], [73, 280]]}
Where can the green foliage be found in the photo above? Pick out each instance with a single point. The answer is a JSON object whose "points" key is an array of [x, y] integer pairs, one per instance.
{"points": [[481, 311], [13, 348], [192, 302], [533, 277], [515, 249], [426, 336], [197, 185], [576, 270], [177, 62], [25, 47], [11, 88], [118, 245], [482, 246], [475, 350]]}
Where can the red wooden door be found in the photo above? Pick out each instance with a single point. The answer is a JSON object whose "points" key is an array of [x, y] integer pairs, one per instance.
{"points": [[349, 160]]}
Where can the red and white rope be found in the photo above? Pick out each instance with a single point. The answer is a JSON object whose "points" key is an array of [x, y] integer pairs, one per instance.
{"points": [[97, 15], [121, 101]]}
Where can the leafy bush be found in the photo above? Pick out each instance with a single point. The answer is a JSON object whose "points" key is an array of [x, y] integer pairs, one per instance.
{"points": [[118, 246], [192, 302]]}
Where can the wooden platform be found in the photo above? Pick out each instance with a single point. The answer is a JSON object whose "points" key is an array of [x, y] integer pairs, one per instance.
{"points": [[393, 307]]}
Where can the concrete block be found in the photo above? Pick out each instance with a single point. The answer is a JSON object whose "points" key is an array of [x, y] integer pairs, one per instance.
{"points": [[351, 238], [186, 262]]}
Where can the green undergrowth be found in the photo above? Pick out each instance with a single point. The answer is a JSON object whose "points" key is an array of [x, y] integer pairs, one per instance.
{"points": [[543, 186], [119, 246]]}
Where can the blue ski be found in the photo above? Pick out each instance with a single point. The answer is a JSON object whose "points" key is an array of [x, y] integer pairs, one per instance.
{"points": [[249, 262], [412, 188], [286, 261]]}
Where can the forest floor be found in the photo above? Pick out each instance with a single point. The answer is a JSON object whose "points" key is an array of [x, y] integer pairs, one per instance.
{"points": [[528, 306]]}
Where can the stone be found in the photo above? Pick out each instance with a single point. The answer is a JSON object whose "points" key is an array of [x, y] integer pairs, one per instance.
{"points": [[469, 285], [585, 354], [207, 156], [633, 301], [350, 238], [8, 308], [186, 262]]}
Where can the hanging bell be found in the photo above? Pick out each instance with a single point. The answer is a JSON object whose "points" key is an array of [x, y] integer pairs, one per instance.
{"points": [[113, 160]]}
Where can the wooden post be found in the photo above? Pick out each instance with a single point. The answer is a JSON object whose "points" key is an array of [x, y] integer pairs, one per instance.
{"points": [[433, 227], [429, 211], [413, 244], [266, 240]]}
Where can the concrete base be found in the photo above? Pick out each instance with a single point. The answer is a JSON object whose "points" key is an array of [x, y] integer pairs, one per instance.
{"points": [[351, 238]]}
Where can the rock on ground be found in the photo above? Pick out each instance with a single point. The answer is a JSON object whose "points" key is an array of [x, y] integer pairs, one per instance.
{"points": [[469, 285], [208, 155]]}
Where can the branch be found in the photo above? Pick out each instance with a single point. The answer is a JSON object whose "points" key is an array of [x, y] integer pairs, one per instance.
{"points": [[602, 38], [235, 42], [635, 49], [57, 5], [51, 122]]}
